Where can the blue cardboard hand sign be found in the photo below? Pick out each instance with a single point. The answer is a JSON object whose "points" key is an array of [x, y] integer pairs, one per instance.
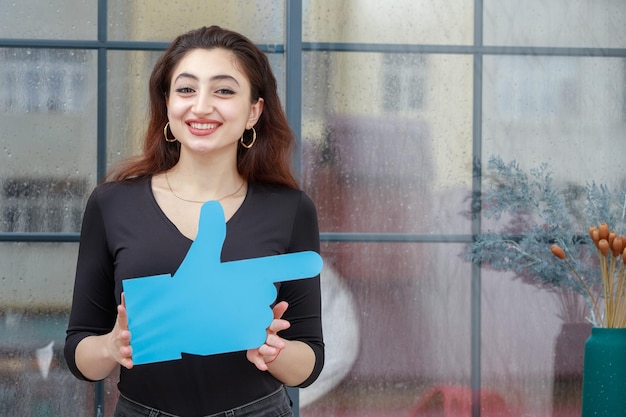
{"points": [[208, 306]]}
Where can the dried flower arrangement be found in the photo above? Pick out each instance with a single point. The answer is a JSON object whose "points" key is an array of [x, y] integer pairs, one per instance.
{"points": [[533, 213], [611, 294]]}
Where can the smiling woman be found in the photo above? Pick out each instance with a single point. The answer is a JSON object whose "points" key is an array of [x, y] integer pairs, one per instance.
{"points": [[209, 106], [209, 87]]}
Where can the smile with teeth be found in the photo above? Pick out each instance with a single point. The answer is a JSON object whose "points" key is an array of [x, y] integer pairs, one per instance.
{"points": [[203, 126]]}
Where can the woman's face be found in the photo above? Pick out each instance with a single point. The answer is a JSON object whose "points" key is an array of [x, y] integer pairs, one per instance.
{"points": [[209, 102]]}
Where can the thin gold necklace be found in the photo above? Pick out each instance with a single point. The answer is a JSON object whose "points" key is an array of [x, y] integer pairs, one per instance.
{"points": [[197, 201]]}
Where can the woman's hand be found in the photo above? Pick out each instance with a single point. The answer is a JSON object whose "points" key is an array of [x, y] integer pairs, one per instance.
{"points": [[98, 356], [274, 344], [119, 338]]}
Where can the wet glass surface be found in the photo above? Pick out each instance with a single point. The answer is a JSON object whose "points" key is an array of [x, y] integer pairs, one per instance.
{"points": [[388, 140], [48, 141], [574, 24], [53, 19], [146, 20]]}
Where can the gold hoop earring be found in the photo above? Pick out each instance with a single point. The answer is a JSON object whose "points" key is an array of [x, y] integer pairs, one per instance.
{"points": [[248, 145], [172, 139]]}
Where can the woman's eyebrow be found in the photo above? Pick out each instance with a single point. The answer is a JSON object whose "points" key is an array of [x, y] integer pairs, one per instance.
{"points": [[185, 75], [226, 77], [218, 77]]}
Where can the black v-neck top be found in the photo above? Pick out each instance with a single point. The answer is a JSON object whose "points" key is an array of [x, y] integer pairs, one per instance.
{"points": [[125, 234]]}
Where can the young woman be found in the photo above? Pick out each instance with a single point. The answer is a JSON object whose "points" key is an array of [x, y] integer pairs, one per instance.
{"points": [[216, 132]]}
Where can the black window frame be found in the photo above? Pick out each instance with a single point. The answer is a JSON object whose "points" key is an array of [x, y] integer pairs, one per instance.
{"points": [[293, 48]]}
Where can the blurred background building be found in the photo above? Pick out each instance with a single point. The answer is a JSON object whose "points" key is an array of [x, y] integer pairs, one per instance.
{"points": [[396, 106]]}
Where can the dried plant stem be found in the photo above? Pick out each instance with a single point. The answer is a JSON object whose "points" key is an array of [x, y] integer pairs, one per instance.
{"points": [[606, 286], [620, 297], [595, 310], [614, 299], [613, 277]]}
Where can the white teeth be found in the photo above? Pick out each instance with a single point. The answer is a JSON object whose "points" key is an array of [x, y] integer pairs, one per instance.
{"points": [[203, 125]]}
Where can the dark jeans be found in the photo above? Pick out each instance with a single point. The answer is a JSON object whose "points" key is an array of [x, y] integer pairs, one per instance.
{"points": [[277, 404]]}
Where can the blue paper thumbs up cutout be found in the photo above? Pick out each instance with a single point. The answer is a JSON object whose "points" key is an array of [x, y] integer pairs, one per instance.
{"points": [[208, 306]]}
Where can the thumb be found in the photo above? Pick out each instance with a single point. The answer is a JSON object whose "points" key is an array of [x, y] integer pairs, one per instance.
{"points": [[122, 316]]}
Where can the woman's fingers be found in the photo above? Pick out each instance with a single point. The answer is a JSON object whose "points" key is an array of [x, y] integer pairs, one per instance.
{"points": [[273, 343], [279, 309], [278, 323], [255, 357], [124, 349]]}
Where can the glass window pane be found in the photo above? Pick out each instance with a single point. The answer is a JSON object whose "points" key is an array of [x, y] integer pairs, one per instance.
{"points": [[414, 22], [127, 101], [565, 23], [531, 351], [37, 282], [146, 20], [55, 19], [277, 61], [48, 145], [377, 155], [397, 327], [37, 276], [565, 111]]}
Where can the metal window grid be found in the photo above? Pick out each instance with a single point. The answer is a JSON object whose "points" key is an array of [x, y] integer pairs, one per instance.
{"points": [[293, 49]]}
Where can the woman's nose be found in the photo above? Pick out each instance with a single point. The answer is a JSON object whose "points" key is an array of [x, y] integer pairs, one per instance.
{"points": [[203, 104]]}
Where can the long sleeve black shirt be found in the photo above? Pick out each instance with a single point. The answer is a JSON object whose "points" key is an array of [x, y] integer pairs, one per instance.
{"points": [[125, 235]]}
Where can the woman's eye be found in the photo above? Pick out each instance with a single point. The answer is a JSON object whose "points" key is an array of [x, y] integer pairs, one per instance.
{"points": [[225, 92], [184, 90]]}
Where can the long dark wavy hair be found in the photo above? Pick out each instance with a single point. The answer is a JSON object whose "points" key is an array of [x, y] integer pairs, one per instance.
{"points": [[268, 161]]}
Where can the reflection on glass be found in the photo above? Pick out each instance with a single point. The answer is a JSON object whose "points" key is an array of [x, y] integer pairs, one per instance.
{"points": [[34, 380], [127, 101], [48, 145], [44, 80], [37, 276], [145, 20], [52, 19], [557, 23], [277, 61], [387, 147], [378, 137], [528, 349], [402, 327], [42, 204], [541, 108], [408, 21], [36, 281], [566, 112]]}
